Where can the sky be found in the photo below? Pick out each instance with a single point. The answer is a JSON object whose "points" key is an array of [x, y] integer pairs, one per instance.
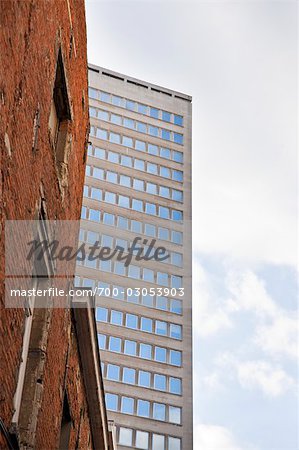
{"points": [[238, 60]]}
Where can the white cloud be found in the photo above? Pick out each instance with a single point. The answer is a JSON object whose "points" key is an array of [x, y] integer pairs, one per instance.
{"points": [[214, 437]]}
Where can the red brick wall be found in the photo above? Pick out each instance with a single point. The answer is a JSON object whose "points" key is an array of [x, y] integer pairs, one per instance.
{"points": [[31, 32]]}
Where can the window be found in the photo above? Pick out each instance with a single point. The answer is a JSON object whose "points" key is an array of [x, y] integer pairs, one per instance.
{"points": [[177, 215], [144, 379], [141, 127], [130, 348], [99, 153], [174, 443], [145, 351], [127, 141], [176, 259], [102, 341], [66, 425], [148, 275], [94, 215], [142, 108], [107, 241], [153, 131], [98, 173], [150, 230], [110, 197], [165, 153], [166, 116], [146, 324], [140, 145], [175, 385], [103, 115], [176, 281], [125, 436], [88, 171], [105, 97], [159, 411], [143, 408], [131, 321], [174, 414], [164, 172], [93, 93], [113, 157], [114, 137], [129, 375], [162, 278], [129, 123], [102, 134], [115, 119], [161, 328], [152, 168], [111, 176], [116, 317], [160, 382], [137, 205], [83, 212], [177, 156], [153, 149], [126, 161], [96, 194], [114, 344], [85, 191], [151, 188], [177, 195], [147, 300], [102, 314], [122, 223], [124, 201], [163, 233], [177, 237], [177, 175], [178, 138], [150, 208], [134, 272], [176, 306], [136, 226], [154, 112], [112, 372], [160, 354], [130, 105], [178, 120], [158, 442], [125, 181], [117, 101], [175, 358], [138, 184], [161, 303], [164, 192], [108, 219], [119, 268], [127, 405], [165, 134], [111, 402], [139, 164], [141, 440]]}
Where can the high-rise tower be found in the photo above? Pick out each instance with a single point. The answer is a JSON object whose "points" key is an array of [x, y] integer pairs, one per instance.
{"points": [[138, 184]]}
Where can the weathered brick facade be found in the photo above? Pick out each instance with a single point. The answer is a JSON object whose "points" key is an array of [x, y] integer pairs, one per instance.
{"points": [[33, 33]]}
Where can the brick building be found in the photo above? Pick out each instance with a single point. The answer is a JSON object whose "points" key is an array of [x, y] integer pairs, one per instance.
{"points": [[51, 393]]}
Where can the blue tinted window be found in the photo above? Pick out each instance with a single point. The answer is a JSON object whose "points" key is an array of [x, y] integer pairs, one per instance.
{"points": [[103, 115], [102, 314], [160, 382], [150, 230], [96, 194], [175, 331], [110, 197], [146, 324], [163, 233], [177, 215], [114, 137], [164, 192], [176, 306], [134, 272], [107, 241], [177, 156], [142, 108], [154, 112], [122, 222], [99, 153], [166, 116], [127, 141], [145, 351], [177, 237], [143, 408], [84, 212], [114, 344], [144, 379], [108, 219], [105, 266], [94, 215], [141, 127], [178, 120], [150, 208], [126, 161], [147, 300], [116, 100], [153, 149], [176, 281], [131, 321], [153, 131], [111, 402], [162, 278], [111, 176], [136, 226], [160, 354], [130, 348], [163, 212], [92, 112], [129, 375], [105, 97], [161, 303], [161, 328], [151, 188], [88, 171], [165, 134], [119, 268], [164, 172], [138, 184], [92, 93], [127, 405], [159, 411], [152, 168], [177, 195], [137, 205], [116, 317], [129, 123], [102, 134], [139, 164], [175, 358], [140, 145], [165, 153], [124, 201], [113, 157], [125, 181], [102, 341], [112, 372], [98, 173], [178, 138], [177, 175], [148, 275], [130, 105], [175, 386], [115, 119]]}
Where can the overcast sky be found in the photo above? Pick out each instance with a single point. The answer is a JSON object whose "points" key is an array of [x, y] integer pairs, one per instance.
{"points": [[238, 61]]}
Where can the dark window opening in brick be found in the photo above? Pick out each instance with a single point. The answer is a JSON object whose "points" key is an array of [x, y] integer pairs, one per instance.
{"points": [[66, 424]]}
